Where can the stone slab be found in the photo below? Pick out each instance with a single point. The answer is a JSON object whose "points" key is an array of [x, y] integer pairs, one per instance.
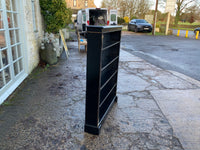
{"points": [[182, 109], [170, 81], [125, 56], [189, 79]]}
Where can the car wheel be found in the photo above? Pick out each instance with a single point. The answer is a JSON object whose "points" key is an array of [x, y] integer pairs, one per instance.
{"points": [[129, 29], [136, 30]]}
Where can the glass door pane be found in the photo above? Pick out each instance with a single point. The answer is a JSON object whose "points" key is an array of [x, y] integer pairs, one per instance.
{"points": [[11, 58]]}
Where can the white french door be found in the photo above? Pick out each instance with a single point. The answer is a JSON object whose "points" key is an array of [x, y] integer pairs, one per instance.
{"points": [[11, 51]]}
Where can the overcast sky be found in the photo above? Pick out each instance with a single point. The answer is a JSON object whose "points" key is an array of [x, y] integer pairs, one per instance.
{"points": [[97, 3]]}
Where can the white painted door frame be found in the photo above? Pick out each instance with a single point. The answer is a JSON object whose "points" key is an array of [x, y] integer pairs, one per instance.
{"points": [[12, 47]]}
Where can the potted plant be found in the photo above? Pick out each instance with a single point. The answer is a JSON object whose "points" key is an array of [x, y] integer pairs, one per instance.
{"points": [[56, 16]]}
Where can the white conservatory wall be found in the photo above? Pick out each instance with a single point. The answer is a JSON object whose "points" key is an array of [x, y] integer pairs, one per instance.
{"points": [[30, 37]]}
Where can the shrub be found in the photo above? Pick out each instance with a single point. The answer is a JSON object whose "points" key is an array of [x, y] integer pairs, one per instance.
{"points": [[120, 20], [56, 14], [157, 25], [191, 19], [162, 29], [126, 19]]}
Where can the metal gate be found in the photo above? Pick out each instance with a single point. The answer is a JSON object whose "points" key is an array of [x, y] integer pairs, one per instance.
{"points": [[11, 54]]}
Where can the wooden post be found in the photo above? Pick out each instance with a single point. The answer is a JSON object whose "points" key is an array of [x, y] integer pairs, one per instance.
{"points": [[155, 18], [167, 25]]}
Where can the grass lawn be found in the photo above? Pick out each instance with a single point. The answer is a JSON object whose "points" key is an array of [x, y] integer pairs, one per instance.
{"points": [[189, 29], [187, 23], [156, 34], [191, 26], [180, 23]]}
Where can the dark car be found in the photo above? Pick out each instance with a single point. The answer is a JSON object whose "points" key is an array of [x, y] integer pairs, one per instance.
{"points": [[196, 29], [138, 25]]}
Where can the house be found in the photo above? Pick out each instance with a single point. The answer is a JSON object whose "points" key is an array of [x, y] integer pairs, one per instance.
{"points": [[76, 5], [21, 33]]}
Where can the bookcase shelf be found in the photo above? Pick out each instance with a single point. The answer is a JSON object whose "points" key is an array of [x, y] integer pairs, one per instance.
{"points": [[102, 71]]}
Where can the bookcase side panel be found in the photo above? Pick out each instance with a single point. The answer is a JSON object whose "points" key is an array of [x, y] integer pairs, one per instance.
{"points": [[93, 79]]}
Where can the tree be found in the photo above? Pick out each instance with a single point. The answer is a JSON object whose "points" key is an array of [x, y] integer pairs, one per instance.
{"points": [[181, 5], [103, 4], [123, 7], [56, 14], [191, 14], [143, 8], [130, 8], [160, 16], [109, 4]]}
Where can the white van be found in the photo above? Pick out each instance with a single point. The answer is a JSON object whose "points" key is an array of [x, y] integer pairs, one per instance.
{"points": [[92, 16]]}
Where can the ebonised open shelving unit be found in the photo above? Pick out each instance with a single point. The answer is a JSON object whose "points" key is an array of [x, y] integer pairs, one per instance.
{"points": [[102, 72]]}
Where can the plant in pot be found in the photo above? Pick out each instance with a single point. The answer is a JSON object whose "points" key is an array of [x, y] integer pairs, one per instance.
{"points": [[56, 16]]}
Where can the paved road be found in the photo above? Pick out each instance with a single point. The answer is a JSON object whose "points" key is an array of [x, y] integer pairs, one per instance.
{"points": [[168, 52]]}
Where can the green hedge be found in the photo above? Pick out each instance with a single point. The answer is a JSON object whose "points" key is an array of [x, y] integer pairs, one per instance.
{"points": [[56, 15], [120, 20]]}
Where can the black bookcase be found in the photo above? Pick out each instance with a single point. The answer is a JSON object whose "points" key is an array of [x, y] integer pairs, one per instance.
{"points": [[102, 71]]}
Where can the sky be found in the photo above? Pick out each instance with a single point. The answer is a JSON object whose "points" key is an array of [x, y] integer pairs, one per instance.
{"points": [[97, 3]]}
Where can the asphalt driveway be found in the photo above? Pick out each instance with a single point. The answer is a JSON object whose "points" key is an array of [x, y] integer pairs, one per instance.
{"points": [[183, 33], [168, 52]]}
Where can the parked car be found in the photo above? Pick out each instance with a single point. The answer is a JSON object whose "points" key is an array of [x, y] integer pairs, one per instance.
{"points": [[139, 25], [196, 29]]}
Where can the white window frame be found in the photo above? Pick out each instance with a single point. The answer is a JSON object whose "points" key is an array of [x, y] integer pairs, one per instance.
{"points": [[86, 3], [34, 16], [18, 79], [75, 3]]}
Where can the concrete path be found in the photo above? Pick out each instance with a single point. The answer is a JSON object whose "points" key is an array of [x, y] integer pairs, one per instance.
{"points": [[181, 107], [47, 111], [178, 97]]}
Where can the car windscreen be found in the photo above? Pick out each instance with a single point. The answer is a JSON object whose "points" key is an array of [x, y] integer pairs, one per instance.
{"points": [[141, 21]]}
